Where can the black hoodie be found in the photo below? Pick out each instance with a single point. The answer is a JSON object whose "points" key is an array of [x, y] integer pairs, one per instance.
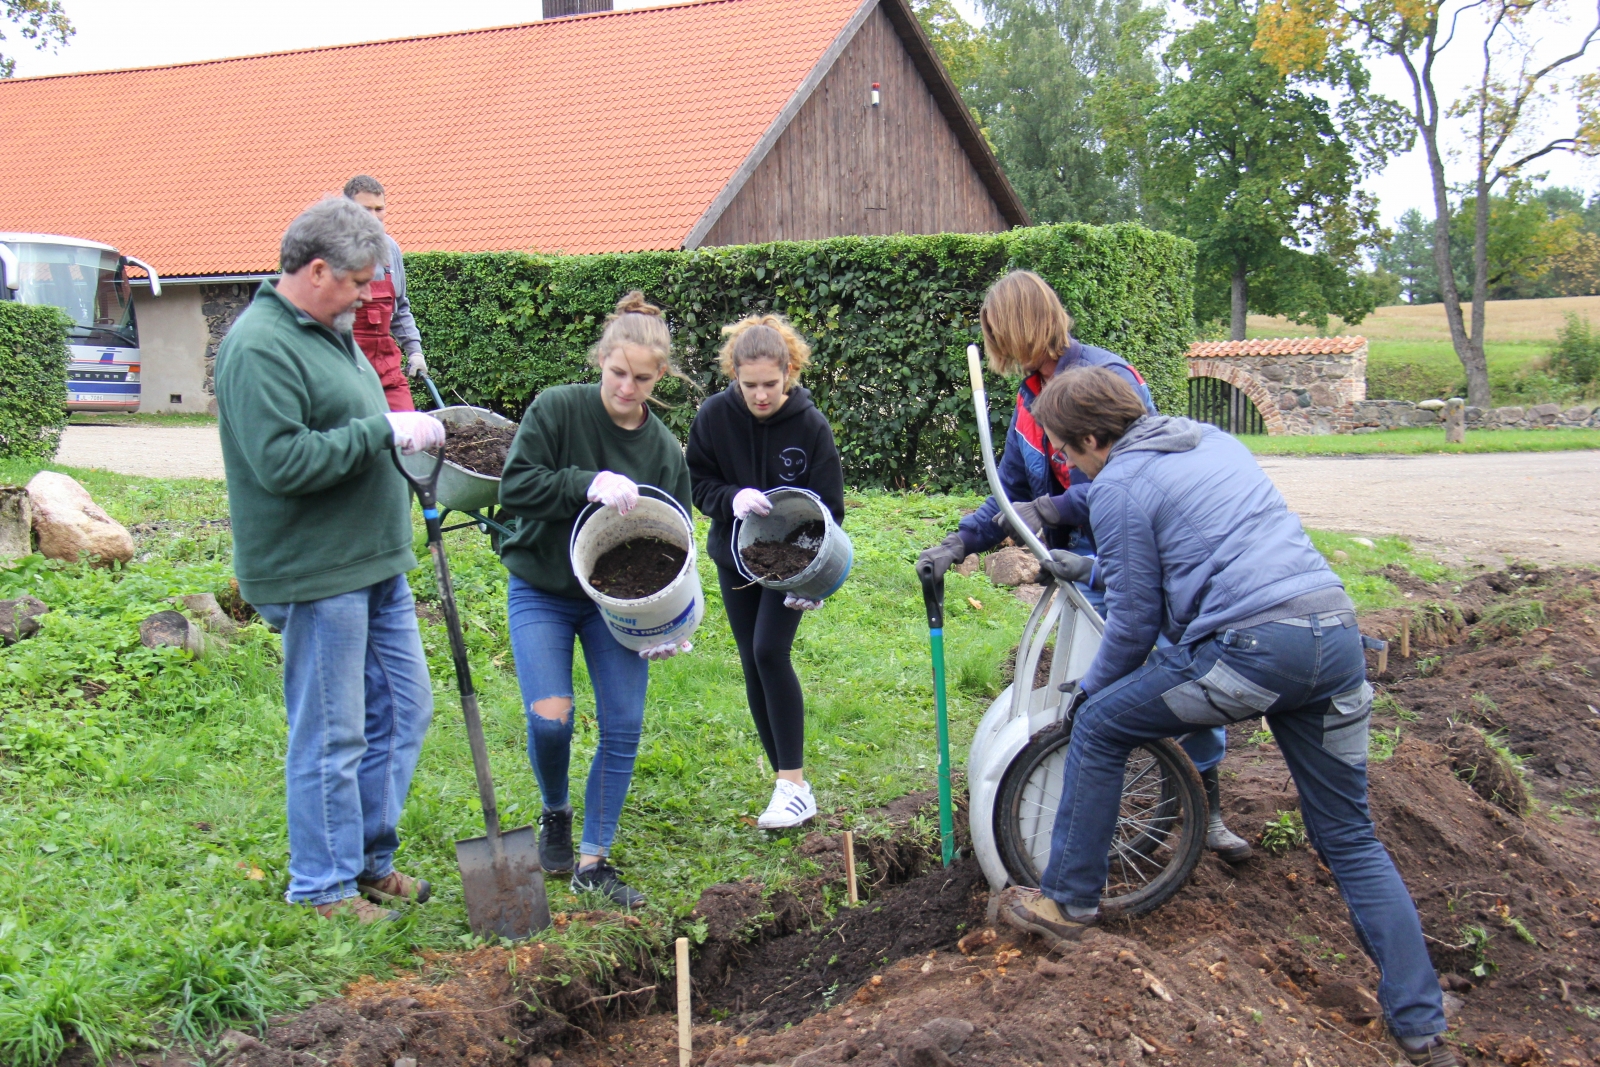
{"points": [[730, 449]]}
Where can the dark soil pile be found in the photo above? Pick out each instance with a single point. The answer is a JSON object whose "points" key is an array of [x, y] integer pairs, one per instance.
{"points": [[478, 446], [778, 561], [637, 569]]}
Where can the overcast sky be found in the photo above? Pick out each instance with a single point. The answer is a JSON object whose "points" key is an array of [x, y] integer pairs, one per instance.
{"points": [[117, 33]]}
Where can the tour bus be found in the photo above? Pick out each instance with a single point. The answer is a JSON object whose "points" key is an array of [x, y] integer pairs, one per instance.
{"points": [[87, 280]]}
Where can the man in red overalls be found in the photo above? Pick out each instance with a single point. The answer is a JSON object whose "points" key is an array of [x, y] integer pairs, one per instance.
{"points": [[387, 316]]}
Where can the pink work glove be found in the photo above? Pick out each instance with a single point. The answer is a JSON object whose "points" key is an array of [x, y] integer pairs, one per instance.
{"points": [[747, 502], [415, 431], [666, 651], [800, 603], [614, 491]]}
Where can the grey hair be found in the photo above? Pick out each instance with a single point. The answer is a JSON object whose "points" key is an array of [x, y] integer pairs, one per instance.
{"points": [[363, 183], [337, 231]]}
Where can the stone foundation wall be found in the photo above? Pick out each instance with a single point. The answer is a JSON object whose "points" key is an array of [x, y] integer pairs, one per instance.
{"points": [[221, 304], [1370, 416]]}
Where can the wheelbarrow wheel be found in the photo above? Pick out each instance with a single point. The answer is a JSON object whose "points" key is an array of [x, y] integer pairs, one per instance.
{"points": [[1160, 827]]}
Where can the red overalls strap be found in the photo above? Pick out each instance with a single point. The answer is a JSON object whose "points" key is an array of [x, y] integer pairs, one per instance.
{"points": [[373, 320]]}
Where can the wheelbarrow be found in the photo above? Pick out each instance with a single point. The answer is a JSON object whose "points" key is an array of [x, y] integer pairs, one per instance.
{"points": [[477, 496], [1014, 768]]}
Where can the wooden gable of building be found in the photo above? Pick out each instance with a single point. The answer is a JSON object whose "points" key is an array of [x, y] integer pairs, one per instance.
{"points": [[834, 163]]}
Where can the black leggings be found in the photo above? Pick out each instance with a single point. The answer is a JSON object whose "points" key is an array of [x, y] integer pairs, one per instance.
{"points": [[764, 630]]}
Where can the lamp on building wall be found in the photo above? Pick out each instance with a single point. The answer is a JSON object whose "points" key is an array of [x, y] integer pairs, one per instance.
{"points": [[876, 99]]}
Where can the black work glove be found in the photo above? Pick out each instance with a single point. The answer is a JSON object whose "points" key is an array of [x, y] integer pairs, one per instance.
{"points": [[1075, 698], [1068, 566], [1035, 514], [941, 557]]}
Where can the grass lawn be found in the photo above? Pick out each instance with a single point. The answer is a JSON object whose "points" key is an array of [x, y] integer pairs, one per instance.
{"points": [[1425, 439], [142, 843], [1422, 370], [139, 418], [1505, 320]]}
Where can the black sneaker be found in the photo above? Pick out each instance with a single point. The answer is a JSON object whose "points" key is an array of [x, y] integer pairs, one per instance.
{"points": [[601, 877], [555, 840]]}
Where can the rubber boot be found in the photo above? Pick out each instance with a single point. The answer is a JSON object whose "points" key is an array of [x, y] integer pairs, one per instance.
{"points": [[1219, 839]]}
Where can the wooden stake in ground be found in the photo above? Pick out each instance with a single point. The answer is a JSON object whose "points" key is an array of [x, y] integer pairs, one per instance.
{"points": [[685, 1033], [1405, 638], [850, 866], [1455, 421]]}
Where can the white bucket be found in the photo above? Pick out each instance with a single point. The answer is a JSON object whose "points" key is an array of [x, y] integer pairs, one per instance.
{"points": [[671, 614], [792, 508]]}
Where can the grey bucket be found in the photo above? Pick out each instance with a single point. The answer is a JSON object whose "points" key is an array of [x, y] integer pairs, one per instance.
{"points": [[459, 488], [792, 508]]}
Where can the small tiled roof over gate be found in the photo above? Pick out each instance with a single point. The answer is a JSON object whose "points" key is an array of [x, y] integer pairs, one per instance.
{"points": [[607, 132], [1277, 346]]}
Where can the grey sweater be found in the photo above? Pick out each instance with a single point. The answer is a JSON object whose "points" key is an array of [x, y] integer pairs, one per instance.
{"points": [[405, 326]]}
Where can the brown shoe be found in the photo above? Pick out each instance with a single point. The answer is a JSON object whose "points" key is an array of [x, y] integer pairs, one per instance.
{"points": [[363, 911], [1033, 912], [1438, 1053], [395, 887]]}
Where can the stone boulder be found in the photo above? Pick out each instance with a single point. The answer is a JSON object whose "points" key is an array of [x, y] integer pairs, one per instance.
{"points": [[70, 524], [209, 613], [1012, 567], [172, 628], [19, 618], [16, 522]]}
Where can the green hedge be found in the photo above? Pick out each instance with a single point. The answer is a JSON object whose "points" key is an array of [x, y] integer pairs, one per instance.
{"points": [[33, 364], [889, 319]]}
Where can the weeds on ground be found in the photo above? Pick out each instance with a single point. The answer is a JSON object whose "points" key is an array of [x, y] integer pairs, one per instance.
{"points": [[1509, 617], [1360, 561], [1284, 834]]}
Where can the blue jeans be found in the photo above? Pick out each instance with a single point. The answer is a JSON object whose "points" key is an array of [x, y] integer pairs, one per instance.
{"points": [[1205, 748], [1308, 677], [543, 627], [356, 685]]}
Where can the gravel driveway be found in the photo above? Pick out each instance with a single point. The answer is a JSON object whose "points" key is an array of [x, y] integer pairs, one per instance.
{"points": [[1483, 508], [1541, 506]]}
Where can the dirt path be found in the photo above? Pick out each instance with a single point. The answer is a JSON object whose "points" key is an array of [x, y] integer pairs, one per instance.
{"points": [[1543, 506], [151, 451]]}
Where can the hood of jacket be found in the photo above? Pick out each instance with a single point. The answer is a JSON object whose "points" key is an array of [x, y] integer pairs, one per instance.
{"points": [[1158, 433], [798, 404]]}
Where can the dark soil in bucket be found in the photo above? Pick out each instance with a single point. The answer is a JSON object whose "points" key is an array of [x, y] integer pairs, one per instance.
{"points": [[637, 569], [478, 446], [778, 561]]}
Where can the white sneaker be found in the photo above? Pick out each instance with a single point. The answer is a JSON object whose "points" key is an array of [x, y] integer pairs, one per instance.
{"points": [[791, 805]]}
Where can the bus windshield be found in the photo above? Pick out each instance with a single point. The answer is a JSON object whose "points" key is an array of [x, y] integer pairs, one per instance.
{"points": [[87, 283]]}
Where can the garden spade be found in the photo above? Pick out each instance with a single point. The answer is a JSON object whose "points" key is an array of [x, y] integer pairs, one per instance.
{"points": [[501, 878]]}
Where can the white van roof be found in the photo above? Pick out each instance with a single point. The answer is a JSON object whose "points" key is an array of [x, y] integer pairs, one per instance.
{"points": [[52, 239]]}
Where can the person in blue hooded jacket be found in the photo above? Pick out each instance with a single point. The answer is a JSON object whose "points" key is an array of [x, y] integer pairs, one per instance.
{"points": [[1027, 332], [1197, 546]]}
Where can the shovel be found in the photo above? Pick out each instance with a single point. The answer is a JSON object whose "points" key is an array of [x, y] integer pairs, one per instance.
{"points": [[501, 877], [933, 600]]}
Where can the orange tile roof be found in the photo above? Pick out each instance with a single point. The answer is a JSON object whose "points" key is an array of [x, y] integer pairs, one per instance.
{"points": [[1277, 346], [609, 132]]}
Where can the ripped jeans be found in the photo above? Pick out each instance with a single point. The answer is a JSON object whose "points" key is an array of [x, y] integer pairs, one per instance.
{"points": [[1308, 677], [543, 629]]}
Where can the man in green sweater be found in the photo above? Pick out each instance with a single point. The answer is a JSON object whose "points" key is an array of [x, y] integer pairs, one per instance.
{"points": [[322, 541]]}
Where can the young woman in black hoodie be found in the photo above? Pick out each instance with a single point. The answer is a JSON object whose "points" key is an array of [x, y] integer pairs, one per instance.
{"points": [[763, 432]]}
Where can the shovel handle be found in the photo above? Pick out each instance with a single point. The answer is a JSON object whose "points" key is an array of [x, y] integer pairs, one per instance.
{"points": [[424, 489]]}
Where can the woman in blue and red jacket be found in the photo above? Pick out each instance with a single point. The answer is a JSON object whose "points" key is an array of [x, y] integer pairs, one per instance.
{"points": [[1026, 331]]}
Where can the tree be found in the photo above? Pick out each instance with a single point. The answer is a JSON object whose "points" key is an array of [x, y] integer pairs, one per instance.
{"points": [[1056, 75], [1525, 239], [1409, 256], [1525, 53], [42, 21], [962, 46], [1260, 170]]}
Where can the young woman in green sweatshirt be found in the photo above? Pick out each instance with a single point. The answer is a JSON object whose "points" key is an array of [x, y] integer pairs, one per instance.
{"points": [[581, 444]]}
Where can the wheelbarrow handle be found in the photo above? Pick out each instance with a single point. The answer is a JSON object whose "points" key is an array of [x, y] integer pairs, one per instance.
{"points": [[433, 391], [932, 594]]}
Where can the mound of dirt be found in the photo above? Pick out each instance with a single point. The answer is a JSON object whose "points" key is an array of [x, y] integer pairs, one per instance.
{"points": [[637, 569], [478, 446], [778, 561]]}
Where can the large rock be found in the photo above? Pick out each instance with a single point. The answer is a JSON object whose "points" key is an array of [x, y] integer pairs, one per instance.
{"points": [[1012, 567], [172, 628], [209, 613], [70, 524], [19, 618], [16, 522]]}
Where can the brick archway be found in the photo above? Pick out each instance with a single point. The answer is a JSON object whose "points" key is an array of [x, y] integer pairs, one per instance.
{"points": [[1247, 384]]}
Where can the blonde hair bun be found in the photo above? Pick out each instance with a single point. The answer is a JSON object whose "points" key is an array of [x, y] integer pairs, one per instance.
{"points": [[634, 303], [757, 338]]}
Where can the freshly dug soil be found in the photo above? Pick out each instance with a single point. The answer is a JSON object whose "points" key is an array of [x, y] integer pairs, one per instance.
{"points": [[779, 561], [478, 446], [637, 569]]}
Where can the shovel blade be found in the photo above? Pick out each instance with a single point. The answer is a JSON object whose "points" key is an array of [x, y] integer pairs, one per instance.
{"points": [[507, 901]]}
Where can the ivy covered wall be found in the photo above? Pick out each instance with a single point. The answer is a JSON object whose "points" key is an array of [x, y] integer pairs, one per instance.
{"points": [[889, 319]]}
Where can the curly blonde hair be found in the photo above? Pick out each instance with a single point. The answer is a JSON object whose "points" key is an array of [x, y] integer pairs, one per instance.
{"points": [[1023, 323], [757, 338]]}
